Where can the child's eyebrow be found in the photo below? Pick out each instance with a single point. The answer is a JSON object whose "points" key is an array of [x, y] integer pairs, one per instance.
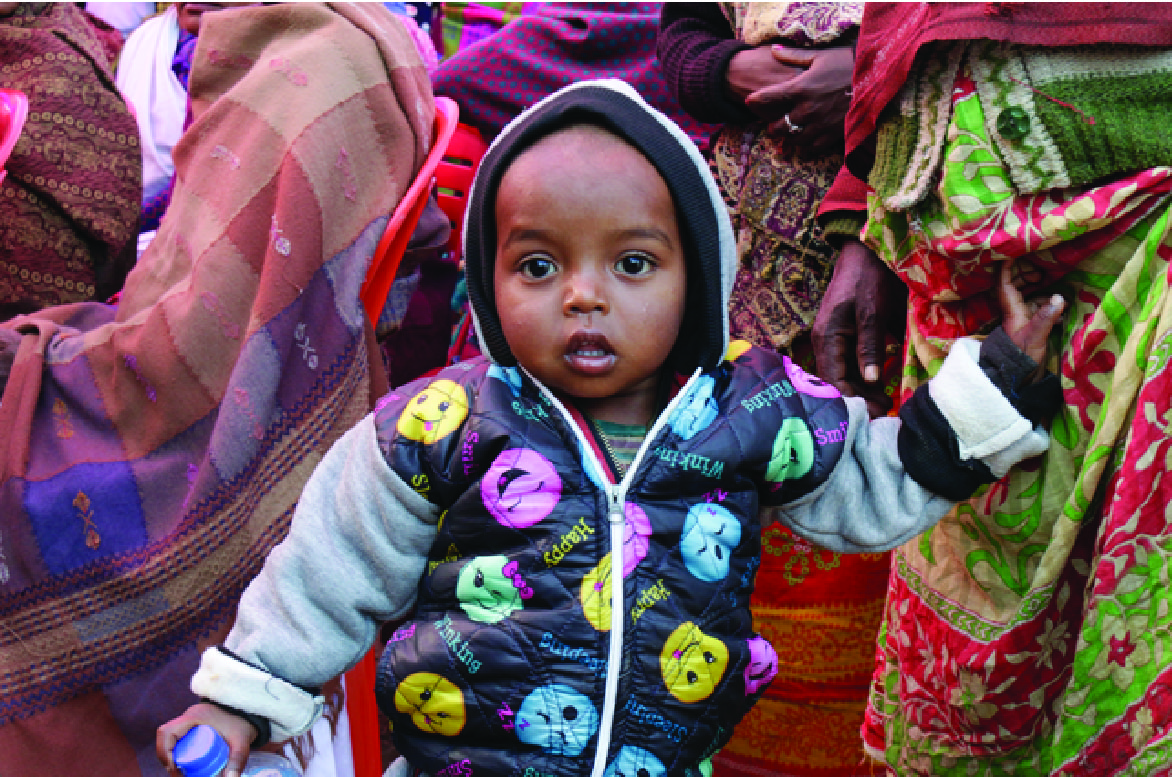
{"points": [[650, 233], [520, 235], [644, 233]]}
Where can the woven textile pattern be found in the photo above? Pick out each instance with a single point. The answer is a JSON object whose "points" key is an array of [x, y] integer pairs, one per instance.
{"points": [[149, 460], [1027, 633], [70, 201]]}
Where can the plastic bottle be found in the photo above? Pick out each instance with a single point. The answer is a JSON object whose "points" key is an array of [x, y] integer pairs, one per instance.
{"points": [[203, 753]]}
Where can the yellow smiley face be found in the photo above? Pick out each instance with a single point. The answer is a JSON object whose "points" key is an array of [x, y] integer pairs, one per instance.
{"points": [[435, 412], [595, 595], [736, 349], [433, 702], [692, 663]]}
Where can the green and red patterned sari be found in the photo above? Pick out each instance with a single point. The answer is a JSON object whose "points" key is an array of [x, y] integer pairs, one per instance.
{"points": [[1029, 632]]}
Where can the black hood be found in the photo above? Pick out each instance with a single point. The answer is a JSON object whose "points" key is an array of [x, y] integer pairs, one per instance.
{"points": [[709, 248]]}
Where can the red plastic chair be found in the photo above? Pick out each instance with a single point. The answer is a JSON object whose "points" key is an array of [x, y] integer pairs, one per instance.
{"points": [[13, 112], [360, 705], [453, 177], [390, 249]]}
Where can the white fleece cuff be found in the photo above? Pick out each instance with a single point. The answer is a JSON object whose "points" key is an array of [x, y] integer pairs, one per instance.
{"points": [[984, 421], [224, 679], [1033, 444]]}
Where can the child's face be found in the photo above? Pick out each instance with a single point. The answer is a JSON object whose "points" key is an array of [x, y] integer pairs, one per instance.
{"points": [[590, 274]]}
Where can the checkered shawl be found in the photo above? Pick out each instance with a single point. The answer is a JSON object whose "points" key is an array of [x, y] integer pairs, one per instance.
{"points": [[150, 459]]}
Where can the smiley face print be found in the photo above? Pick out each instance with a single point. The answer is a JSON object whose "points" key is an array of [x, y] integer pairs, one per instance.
{"points": [[697, 411], [636, 537], [711, 534], [635, 762], [595, 595], [557, 719], [762, 666], [808, 384], [692, 663], [485, 593], [435, 412], [520, 488], [736, 349], [510, 376], [793, 452], [433, 702]]}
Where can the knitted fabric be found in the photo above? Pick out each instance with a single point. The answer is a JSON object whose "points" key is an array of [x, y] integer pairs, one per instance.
{"points": [[1089, 115], [892, 35]]}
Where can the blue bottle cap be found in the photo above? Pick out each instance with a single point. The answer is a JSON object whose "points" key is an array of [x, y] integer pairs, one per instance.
{"points": [[201, 753]]}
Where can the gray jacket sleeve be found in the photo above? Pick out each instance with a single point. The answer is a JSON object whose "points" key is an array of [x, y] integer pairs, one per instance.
{"points": [[868, 503], [353, 559], [871, 503]]}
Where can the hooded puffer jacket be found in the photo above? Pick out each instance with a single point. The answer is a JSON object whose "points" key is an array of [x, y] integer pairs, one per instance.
{"points": [[505, 666]]}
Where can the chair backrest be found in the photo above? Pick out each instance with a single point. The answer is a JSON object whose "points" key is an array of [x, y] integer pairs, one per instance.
{"points": [[361, 710], [394, 241], [453, 179], [13, 112]]}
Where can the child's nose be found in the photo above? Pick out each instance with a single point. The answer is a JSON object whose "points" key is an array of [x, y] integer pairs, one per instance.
{"points": [[584, 295]]}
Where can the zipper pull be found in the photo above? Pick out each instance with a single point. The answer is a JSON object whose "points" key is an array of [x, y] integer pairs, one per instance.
{"points": [[616, 506]]}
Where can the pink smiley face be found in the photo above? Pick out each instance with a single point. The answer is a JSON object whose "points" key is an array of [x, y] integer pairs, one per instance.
{"points": [[636, 531], [806, 383], [520, 488], [762, 666]]}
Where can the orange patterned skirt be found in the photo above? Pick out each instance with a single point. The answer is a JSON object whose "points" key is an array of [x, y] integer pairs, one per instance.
{"points": [[821, 611]]}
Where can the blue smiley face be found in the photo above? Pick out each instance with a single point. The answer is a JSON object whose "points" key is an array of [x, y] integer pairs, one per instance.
{"points": [[793, 452], [711, 533], [696, 411], [557, 719], [635, 762], [510, 376]]}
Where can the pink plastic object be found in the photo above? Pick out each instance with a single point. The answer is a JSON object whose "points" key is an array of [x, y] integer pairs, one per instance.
{"points": [[390, 249], [13, 112], [453, 177]]}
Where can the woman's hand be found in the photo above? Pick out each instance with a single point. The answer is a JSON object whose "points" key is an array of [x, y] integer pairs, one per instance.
{"points": [[753, 70], [808, 104], [1027, 324], [864, 301], [235, 730]]}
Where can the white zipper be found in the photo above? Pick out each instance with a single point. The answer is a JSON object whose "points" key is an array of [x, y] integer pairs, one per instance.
{"points": [[616, 495]]}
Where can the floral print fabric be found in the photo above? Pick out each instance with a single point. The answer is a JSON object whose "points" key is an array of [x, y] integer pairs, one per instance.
{"points": [[1028, 633]]}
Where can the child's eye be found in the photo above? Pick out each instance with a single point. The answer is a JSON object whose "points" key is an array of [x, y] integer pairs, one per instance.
{"points": [[634, 264], [537, 267]]}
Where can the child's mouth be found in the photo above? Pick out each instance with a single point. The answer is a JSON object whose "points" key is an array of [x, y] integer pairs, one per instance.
{"points": [[589, 353]]}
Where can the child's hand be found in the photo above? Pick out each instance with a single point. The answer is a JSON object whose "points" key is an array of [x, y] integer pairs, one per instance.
{"points": [[235, 730], [1028, 325]]}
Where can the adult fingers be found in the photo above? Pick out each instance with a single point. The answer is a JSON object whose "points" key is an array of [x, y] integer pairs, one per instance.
{"points": [[870, 343], [793, 57], [832, 336], [771, 101]]}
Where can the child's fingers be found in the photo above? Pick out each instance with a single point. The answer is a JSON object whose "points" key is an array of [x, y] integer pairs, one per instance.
{"points": [[165, 738], [1033, 335], [1013, 307]]}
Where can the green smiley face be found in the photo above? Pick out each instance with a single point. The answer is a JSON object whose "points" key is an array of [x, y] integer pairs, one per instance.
{"points": [[485, 593]]}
